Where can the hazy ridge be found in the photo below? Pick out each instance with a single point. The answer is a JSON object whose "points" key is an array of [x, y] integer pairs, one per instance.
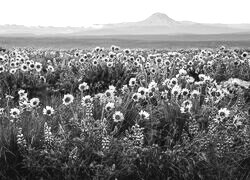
{"points": [[156, 24]]}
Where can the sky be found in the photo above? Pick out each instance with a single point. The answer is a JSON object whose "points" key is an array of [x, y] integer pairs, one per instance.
{"points": [[79, 13]]}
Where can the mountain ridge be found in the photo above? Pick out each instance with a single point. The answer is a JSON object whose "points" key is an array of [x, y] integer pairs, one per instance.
{"points": [[157, 23]]}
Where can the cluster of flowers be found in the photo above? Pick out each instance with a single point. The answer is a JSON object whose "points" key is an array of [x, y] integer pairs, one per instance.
{"points": [[191, 83]]}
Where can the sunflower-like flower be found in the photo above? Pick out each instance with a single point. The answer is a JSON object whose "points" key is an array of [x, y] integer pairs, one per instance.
{"points": [[34, 102], [186, 106], [38, 66], [112, 55], [185, 92], [144, 114], [219, 94], [31, 66], [112, 88], [182, 72], [189, 79], [68, 99], [2, 68], [176, 90], [202, 77], [152, 70], [24, 67], [223, 113], [109, 106], [136, 97], [167, 62], [173, 82], [132, 82], [86, 100], [95, 62], [83, 86], [153, 86], [195, 93], [244, 55], [187, 103], [14, 113], [143, 91], [28, 62], [50, 68], [21, 92], [127, 51], [158, 60], [13, 71], [82, 60], [109, 93], [118, 116], [110, 64], [190, 63], [12, 64], [48, 110]]}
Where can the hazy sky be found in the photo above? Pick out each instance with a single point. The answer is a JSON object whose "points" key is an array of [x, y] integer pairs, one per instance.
{"points": [[87, 12]]}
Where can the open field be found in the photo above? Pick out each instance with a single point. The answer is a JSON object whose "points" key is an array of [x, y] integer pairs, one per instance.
{"points": [[132, 41], [123, 113]]}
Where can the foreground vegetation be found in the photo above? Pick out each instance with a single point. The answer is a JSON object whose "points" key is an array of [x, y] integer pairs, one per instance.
{"points": [[124, 114]]}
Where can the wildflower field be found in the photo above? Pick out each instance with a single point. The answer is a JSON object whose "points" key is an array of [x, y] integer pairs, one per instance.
{"points": [[125, 114]]}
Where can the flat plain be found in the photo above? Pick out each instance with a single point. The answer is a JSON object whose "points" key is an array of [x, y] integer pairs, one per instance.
{"points": [[128, 41]]}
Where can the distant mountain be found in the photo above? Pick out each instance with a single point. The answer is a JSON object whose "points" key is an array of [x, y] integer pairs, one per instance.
{"points": [[159, 19], [157, 23]]}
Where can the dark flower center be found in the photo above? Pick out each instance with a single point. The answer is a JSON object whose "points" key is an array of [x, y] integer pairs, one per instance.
{"points": [[81, 87], [213, 93], [135, 97], [185, 93], [117, 117], [222, 114], [67, 99], [108, 94], [34, 103], [87, 101]]}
